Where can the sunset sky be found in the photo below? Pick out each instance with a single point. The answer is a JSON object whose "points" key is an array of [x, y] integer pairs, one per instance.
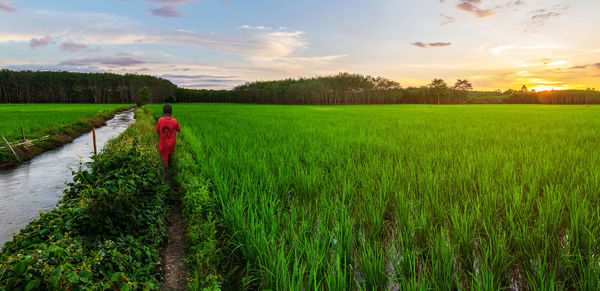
{"points": [[496, 44]]}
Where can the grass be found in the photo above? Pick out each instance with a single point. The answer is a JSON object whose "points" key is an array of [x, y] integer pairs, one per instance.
{"points": [[416, 196], [62, 122], [39, 119]]}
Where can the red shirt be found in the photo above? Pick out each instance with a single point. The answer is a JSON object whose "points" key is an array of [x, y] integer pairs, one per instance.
{"points": [[167, 126]]}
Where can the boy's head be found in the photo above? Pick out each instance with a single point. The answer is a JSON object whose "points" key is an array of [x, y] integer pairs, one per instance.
{"points": [[167, 109]]}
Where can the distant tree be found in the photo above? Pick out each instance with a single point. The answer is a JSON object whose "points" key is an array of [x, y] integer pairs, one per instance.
{"points": [[524, 89], [509, 91], [71, 87], [143, 96], [438, 84], [438, 89], [463, 85], [171, 99]]}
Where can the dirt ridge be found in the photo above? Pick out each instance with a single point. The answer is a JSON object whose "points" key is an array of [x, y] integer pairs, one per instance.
{"points": [[173, 254]]}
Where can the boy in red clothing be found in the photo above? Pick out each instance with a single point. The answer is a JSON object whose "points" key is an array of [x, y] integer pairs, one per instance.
{"points": [[166, 127]]}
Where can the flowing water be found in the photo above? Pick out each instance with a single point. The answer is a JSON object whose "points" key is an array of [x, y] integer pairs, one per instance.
{"points": [[39, 183]]}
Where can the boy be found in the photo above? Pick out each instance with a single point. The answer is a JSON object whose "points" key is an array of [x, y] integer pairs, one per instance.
{"points": [[166, 127]]}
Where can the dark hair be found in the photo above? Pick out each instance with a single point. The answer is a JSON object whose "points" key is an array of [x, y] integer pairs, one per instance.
{"points": [[167, 109]]}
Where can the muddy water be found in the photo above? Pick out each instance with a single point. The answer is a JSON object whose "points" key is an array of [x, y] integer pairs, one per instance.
{"points": [[38, 184]]}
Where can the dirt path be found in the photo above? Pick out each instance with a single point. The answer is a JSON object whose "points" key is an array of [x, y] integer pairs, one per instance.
{"points": [[173, 253]]}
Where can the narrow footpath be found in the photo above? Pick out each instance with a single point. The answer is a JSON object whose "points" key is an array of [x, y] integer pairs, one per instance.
{"points": [[173, 254]]}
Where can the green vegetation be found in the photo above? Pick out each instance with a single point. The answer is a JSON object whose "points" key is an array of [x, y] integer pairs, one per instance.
{"points": [[143, 96], [207, 258], [346, 88], [70, 87], [107, 230], [343, 88], [61, 122], [416, 196], [38, 120]]}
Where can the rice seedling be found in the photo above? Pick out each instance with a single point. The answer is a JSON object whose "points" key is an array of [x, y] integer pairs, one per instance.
{"points": [[403, 196]]}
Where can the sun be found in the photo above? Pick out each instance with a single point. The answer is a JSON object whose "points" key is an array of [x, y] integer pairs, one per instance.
{"points": [[547, 88]]}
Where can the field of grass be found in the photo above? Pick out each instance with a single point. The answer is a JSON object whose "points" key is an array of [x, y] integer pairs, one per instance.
{"points": [[62, 122], [38, 119], [410, 196]]}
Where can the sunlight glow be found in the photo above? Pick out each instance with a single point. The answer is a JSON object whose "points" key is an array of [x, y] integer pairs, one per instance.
{"points": [[548, 88]]}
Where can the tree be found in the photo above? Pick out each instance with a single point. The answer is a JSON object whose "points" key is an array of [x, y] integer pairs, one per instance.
{"points": [[438, 84], [438, 88], [143, 96], [70, 87], [463, 85]]}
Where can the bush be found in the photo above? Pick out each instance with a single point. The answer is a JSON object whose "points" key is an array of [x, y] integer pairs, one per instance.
{"points": [[171, 99], [143, 96], [105, 233]]}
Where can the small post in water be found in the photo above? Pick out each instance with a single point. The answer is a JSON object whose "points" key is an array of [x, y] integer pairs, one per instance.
{"points": [[11, 148], [94, 135]]}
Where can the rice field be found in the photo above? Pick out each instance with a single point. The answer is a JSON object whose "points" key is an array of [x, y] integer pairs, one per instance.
{"points": [[39, 119], [404, 196]]}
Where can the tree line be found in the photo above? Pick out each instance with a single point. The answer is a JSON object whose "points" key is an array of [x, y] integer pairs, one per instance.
{"points": [[71, 87], [553, 97], [344, 88]]}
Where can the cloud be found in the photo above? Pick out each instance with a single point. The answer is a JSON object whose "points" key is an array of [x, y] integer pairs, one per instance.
{"points": [[259, 27], [431, 44], [447, 19], [7, 7], [166, 11], [440, 44], [40, 42], [113, 61], [515, 3], [265, 53], [195, 76], [541, 16], [501, 49], [70, 46], [420, 44], [204, 81], [173, 2], [471, 7], [596, 65], [256, 45], [43, 67]]}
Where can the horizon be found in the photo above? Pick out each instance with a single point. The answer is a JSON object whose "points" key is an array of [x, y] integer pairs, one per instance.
{"points": [[219, 44]]}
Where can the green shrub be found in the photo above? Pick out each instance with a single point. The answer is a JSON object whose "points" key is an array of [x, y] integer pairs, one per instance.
{"points": [[105, 233]]}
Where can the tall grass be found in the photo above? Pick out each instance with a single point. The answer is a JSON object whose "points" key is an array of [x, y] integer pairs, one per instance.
{"points": [[409, 196], [39, 119]]}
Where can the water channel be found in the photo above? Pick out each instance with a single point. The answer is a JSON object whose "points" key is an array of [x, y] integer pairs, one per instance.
{"points": [[38, 184]]}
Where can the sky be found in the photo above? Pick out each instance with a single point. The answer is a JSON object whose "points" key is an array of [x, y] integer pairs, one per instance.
{"points": [[218, 44]]}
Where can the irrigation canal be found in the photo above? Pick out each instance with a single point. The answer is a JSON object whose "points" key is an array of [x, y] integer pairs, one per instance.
{"points": [[38, 184]]}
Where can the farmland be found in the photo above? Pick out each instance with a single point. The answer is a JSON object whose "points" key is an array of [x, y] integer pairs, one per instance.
{"points": [[61, 121], [39, 119], [410, 196]]}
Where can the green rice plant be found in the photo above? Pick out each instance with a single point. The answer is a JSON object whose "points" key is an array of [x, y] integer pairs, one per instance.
{"points": [[400, 196], [39, 119]]}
